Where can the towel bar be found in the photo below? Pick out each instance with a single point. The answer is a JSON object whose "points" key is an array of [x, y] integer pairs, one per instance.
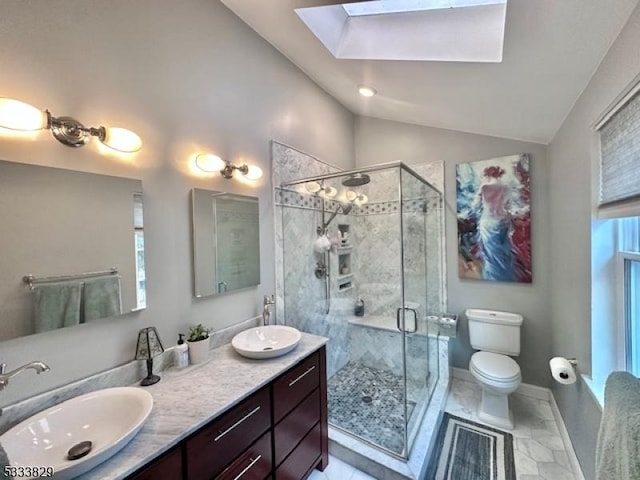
{"points": [[31, 279]]}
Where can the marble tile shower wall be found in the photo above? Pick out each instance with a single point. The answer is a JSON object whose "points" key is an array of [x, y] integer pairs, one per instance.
{"points": [[382, 350], [297, 288], [377, 244], [436, 254], [288, 164], [304, 294]]}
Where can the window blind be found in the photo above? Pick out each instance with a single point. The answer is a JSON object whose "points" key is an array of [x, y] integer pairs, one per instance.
{"points": [[620, 154]]}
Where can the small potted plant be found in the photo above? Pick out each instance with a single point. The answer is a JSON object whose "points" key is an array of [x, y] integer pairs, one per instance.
{"points": [[198, 341]]}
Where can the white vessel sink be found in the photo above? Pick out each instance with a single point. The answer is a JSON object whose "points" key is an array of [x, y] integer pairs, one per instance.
{"points": [[107, 418], [266, 342]]}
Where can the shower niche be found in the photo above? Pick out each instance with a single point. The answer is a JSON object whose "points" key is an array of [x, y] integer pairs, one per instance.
{"points": [[385, 229]]}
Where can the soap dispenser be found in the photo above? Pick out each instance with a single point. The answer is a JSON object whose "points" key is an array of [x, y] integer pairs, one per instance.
{"points": [[182, 353], [359, 310]]}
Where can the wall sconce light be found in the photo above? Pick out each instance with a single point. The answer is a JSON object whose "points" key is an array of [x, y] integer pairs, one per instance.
{"points": [[17, 115], [208, 162], [357, 198], [315, 187]]}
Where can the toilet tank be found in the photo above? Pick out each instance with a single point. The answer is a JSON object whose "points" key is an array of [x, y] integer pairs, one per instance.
{"points": [[493, 331]]}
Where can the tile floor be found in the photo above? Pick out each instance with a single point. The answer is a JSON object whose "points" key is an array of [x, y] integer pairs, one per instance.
{"points": [[339, 470], [539, 451]]}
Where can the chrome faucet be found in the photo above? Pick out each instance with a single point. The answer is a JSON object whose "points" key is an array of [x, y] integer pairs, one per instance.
{"points": [[266, 313], [39, 367]]}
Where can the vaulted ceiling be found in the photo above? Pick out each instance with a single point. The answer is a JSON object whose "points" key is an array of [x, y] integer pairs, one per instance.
{"points": [[551, 50]]}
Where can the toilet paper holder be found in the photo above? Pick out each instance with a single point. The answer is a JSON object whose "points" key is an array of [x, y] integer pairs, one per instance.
{"points": [[563, 370]]}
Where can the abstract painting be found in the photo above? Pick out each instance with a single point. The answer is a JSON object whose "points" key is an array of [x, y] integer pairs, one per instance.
{"points": [[493, 200]]}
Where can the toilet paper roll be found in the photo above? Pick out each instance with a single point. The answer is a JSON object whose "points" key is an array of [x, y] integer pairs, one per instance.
{"points": [[562, 371]]}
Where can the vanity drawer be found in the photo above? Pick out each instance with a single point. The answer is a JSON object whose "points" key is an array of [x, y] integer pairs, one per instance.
{"points": [[292, 429], [303, 458], [294, 385], [254, 464], [216, 445]]}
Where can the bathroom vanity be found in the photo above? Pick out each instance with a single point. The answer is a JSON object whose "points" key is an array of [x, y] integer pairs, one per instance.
{"points": [[233, 418]]}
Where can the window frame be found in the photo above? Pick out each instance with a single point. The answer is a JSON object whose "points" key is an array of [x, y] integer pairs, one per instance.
{"points": [[623, 320]]}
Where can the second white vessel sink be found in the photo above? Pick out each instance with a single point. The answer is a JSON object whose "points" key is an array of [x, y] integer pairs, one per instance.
{"points": [[92, 427], [266, 342]]}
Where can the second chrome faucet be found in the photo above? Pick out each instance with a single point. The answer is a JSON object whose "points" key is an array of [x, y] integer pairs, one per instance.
{"points": [[266, 313]]}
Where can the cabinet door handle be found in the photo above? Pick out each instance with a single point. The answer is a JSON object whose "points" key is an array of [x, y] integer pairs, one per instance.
{"points": [[222, 434], [246, 469], [309, 370]]}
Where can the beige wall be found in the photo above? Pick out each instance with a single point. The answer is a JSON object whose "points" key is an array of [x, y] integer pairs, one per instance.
{"points": [[385, 141], [572, 189], [186, 76]]}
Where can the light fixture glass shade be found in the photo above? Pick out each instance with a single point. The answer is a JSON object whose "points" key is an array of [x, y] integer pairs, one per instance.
{"points": [[351, 195], [367, 91], [207, 162], [149, 344], [330, 191], [361, 199], [312, 187], [253, 172], [17, 115], [122, 140]]}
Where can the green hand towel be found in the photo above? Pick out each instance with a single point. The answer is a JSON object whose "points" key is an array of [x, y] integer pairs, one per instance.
{"points": [[102, 297], [57, 305]]}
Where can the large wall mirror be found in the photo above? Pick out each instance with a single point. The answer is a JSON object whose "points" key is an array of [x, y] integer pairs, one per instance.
{"points": [[226, 242], [72, 248]]}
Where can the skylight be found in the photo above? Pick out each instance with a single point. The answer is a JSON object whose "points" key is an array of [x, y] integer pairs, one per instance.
{"points": [[380, 7], [436, 30]]}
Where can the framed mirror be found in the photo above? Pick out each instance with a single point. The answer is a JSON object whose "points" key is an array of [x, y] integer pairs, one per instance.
{"points": [[72, 248], [226, 242]]}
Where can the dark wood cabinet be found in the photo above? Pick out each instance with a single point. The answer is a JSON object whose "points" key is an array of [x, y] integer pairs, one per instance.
{"points": [[303, 459], [215, 446], [279, 432], [254, 464], [167, 467], [295, 385], [292, 429]]}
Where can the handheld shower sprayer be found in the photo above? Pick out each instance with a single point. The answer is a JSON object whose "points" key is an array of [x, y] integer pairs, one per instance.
{"points": [[344, 209]]}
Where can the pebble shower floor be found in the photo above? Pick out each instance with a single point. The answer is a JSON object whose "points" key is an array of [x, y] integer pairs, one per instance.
{"points": [[369, 403]]}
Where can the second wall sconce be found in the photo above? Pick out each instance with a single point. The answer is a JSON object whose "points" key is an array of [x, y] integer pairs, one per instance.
{"points": [[208, 162], [17, 115]]}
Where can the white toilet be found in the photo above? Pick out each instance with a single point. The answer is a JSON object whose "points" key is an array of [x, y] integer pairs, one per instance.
{"points": [[496, 335]]}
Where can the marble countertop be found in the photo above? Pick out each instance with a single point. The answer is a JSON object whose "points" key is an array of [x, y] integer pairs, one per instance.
{"points": [[186, 400]]}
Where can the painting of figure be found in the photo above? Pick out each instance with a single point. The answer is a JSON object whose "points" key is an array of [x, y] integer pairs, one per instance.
{"points": [[494, 219]]}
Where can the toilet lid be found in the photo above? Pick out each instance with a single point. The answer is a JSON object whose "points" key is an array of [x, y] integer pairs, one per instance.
{"points": [[495, 366]]}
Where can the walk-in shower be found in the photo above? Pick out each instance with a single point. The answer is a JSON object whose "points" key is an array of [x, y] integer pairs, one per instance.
{"points": [[376, 234]]}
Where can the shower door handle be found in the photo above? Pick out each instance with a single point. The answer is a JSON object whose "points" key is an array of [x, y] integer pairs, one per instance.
{"points": [[415, 320]]}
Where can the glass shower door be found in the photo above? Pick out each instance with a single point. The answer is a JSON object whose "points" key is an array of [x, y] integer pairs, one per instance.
{"points": [[413, 314]]}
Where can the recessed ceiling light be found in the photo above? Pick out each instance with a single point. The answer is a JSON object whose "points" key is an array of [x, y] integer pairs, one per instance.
{"points": [[367, 91]]}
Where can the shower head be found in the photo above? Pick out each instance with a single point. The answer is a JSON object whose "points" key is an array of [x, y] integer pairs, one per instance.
{"points": [[356, 180]]}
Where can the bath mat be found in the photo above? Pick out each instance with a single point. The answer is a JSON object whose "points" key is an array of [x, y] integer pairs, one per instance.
{"points": [[465, 450]]}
